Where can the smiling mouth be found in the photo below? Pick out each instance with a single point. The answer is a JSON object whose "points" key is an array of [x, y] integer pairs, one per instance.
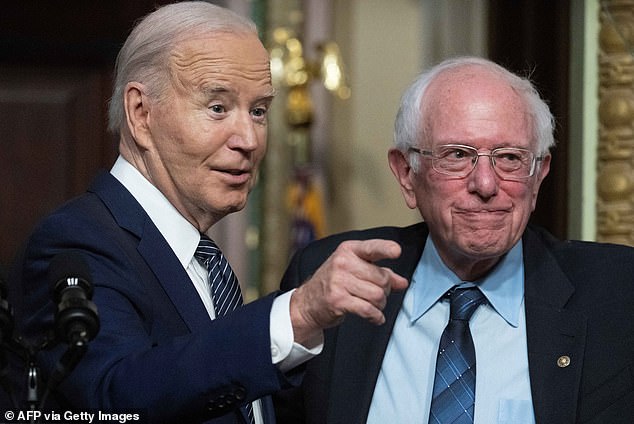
{"points": [[236, 177], [233, 171], [483, 211], [237, 172]]}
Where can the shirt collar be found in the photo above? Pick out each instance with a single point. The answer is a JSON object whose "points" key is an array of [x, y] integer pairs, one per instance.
{"points": [[179, 233], [503, 287]]}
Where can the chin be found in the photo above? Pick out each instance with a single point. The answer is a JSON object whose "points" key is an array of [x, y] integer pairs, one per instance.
{"points": [[491, 250], [481, 246], [236, 206], [233, 208]]}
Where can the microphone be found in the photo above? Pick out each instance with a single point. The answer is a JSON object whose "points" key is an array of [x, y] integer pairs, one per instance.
{"points": [[76, 319]]}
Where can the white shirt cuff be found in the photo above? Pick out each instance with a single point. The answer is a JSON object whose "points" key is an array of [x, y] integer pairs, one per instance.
{"points": [[285, 353]]}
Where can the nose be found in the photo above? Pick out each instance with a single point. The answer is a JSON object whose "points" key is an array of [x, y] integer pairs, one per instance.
{"points": [[483, 180], [245, 135]]}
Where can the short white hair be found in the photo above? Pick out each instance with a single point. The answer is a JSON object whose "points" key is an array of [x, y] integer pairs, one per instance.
{"points": [[409, 128], [144, 56]]}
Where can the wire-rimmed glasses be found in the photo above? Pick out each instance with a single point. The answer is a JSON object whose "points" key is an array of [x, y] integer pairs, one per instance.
{"points": [[457, 160]]}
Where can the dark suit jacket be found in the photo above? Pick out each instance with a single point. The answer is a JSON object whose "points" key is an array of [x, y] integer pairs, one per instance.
{"points": [[579, 301], [157, 349]]}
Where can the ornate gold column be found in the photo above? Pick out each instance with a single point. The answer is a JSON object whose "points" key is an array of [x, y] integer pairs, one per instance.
{"points": [[615, 182]]}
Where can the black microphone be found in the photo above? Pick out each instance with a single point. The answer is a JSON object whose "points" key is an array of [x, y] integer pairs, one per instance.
{"points": [[76, 319]]}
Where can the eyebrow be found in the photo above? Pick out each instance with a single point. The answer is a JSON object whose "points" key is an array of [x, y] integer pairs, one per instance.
{"points": [[221, 89], [501, 145], [215, 89], [271, 93]]}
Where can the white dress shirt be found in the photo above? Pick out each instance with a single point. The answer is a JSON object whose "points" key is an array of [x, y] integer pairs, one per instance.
{"points": [[183, 238], [405, 384]]}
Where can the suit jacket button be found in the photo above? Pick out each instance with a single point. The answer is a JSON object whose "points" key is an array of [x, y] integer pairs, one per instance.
{"points": [[220, 403], [240, 393]]}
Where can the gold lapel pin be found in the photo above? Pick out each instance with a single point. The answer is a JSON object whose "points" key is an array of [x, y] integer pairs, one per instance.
{"points": [[563, 361]]}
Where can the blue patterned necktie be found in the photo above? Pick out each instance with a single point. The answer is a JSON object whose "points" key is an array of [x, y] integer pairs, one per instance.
{"points": [[224, 286], [453, 397]]}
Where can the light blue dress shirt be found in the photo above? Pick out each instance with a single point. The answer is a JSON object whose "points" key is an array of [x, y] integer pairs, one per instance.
{"points": [[404, 387]]}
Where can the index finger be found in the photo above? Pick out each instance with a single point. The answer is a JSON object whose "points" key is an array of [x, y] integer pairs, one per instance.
{"points": [[373, 250]]}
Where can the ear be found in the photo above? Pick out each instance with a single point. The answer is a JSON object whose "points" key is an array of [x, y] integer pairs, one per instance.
{"points": [[542, 171], [137, 110], [403, 172]]}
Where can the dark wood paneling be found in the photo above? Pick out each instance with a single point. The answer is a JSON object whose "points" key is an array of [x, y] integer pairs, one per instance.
{"points": [[56, 62], [52, 142], [532, 37]]}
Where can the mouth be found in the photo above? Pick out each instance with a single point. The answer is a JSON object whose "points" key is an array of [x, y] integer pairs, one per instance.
{"points": [[483, 219], [236, 176], [237, 171], [480, 216], [483, 211]]}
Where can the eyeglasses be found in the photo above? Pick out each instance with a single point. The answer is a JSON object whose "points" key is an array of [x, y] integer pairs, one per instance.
{"points": [[456, 160]]}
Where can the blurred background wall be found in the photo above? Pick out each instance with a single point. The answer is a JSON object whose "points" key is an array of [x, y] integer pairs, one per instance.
{"points": [[326, 169]]}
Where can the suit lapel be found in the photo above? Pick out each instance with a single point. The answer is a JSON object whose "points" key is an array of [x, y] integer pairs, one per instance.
{"points": [[172, 276], [361, 346], [555, 336], [154, 249]]}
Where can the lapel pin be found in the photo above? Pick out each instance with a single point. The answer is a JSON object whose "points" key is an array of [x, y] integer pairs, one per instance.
{"points": [[563, 361]]}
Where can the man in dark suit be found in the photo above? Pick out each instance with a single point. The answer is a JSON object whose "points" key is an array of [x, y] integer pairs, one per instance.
{"points": [[551, 330], [192, 91]]}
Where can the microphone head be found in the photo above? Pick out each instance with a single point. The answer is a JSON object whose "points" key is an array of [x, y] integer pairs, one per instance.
{"points": [[66, 269], [76, 319]]}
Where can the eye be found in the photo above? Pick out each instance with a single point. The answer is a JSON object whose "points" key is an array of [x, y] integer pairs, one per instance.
{"points": [[459, 153], [259, 112], [455, 153], [217, 108], [509, 156]]}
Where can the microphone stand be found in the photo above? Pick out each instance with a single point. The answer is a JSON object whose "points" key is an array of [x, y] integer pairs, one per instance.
{"points": [[28, 354], [33, 389], [76, 323], [66, 364], [77, 347]]}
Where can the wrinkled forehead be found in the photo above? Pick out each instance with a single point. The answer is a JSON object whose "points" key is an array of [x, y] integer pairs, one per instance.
{"points": [[474, 93], [218, 55], [470, 83]]}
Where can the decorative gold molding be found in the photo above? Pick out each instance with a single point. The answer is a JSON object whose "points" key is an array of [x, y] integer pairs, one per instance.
{"points": [[615, 161]]}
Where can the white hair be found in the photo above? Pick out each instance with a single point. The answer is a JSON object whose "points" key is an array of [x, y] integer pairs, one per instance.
{"points": [[409, 128], [144, 56]]}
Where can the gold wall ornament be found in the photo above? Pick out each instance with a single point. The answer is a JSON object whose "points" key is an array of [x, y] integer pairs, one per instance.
{"points": [[332, 71], [299, 107], [615, 163], [289, 66]]}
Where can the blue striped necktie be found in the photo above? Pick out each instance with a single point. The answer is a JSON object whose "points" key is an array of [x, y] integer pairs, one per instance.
{"points": [[224, 287], [453, 398]]}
